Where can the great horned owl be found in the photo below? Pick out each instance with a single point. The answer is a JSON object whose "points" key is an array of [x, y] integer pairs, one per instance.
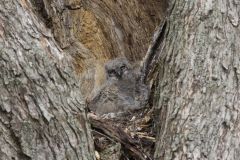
{"points": [[122, 90], [119, 69]]}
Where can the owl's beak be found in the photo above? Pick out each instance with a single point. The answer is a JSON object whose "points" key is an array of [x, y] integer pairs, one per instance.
{"points": [[119, 74]]}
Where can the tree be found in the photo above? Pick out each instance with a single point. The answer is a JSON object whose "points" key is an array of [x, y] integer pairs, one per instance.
{"points": [[196, 87], [42, 112], [197, 90]]}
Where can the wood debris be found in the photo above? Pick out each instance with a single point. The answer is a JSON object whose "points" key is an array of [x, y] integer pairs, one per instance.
{"points": [[126, 136]]}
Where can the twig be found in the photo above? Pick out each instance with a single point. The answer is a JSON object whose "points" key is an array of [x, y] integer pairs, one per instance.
{"points": [[117, 134]]}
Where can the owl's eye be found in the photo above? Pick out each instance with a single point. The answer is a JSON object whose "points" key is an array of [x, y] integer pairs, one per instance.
{"points": [[123, 68], [111, 73]]}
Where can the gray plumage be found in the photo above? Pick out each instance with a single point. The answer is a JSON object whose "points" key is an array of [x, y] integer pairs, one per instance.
{"points": [[122, 90]]}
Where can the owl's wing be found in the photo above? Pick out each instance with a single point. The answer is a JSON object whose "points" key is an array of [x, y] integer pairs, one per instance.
{"points": [[106, 94], [94, 97], [142, 94]]}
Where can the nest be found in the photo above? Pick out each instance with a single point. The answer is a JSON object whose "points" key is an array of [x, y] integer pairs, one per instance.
{"points": [[126, 136]]}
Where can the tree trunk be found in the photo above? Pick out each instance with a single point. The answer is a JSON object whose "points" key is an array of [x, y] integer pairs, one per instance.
{"points": [[196, 98], [106, 28], [42, 113], [197, 93]]}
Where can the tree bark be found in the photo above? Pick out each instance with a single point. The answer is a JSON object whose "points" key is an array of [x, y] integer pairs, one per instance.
{"points": [[196, 98], [106, 29], [197, 93], [42, 112]]}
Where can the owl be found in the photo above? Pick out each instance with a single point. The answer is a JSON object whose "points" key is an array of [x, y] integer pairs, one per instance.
{"points": [[119, 69], [122, 90]]}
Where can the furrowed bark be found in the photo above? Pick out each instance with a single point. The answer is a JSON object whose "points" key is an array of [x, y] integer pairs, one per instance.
{"points": [[42, 113], [197, 97]]}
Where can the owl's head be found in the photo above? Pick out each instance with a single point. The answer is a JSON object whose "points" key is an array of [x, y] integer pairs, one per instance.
{"points": [[118, 69]]}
